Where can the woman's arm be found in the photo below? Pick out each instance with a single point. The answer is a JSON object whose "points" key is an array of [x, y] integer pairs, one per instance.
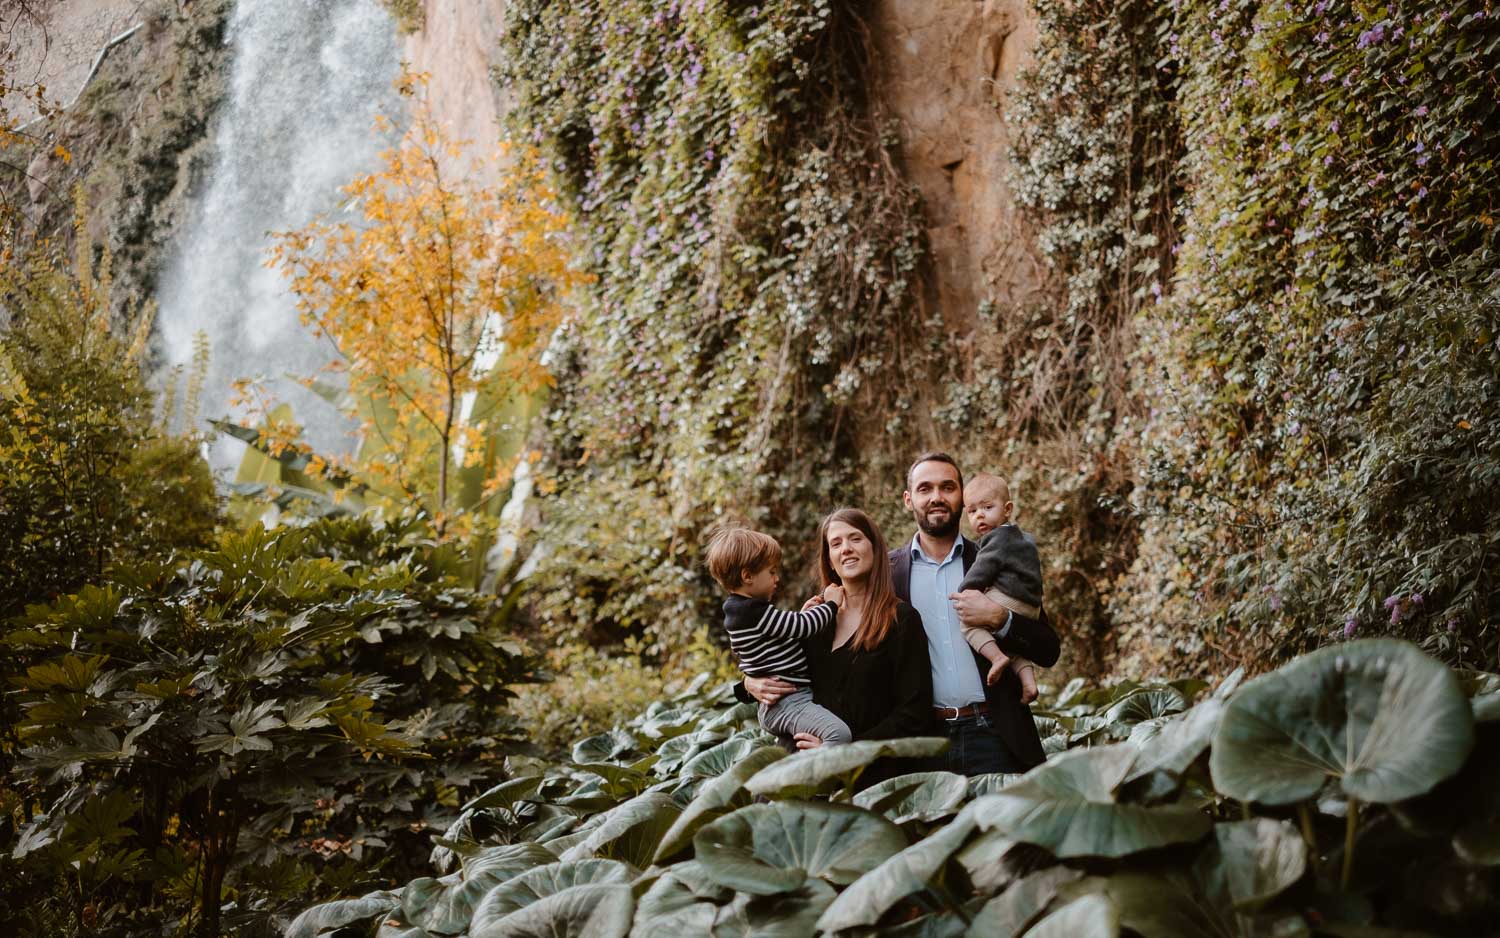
{"points": [[910, 687]]}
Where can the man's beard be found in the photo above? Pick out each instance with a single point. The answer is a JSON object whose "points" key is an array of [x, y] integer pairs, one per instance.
{"points": [[947, 528]]}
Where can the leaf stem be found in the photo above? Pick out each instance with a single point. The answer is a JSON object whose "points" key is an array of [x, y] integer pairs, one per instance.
{"points": [[1351, 824], [1304, 812]]}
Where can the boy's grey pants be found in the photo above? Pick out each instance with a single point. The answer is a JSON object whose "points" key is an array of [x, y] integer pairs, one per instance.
{"points": [[796, 713]]}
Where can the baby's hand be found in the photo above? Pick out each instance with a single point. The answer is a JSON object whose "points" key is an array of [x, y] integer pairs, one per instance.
{"points": [[1027, 673], [834, 594]]}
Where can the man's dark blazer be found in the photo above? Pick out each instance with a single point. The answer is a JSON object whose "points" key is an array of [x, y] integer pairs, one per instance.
{"points": [[1027, 638]]}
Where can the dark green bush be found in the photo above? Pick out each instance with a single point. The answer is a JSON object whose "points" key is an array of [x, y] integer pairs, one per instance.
{"points": [[202, 740]]}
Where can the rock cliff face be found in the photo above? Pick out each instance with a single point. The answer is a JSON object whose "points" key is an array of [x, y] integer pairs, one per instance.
{"points": [[456, 47], [135, 133], [944, 67]]}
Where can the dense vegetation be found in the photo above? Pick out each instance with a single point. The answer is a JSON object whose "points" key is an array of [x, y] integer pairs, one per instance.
{"points": [[1255, 410], [1353, 787]]}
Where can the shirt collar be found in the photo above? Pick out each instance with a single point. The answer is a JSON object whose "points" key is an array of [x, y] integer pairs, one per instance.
{"points": [[917, 554]]}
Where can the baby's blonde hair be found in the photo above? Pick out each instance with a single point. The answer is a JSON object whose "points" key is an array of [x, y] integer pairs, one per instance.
{"points": [[734, 550], [987, 482]]}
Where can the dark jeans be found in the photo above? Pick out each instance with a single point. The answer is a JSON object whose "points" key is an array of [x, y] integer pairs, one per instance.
{"points": [[975, 749]]}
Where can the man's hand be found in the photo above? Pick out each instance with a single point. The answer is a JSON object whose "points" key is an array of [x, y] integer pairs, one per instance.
{"points": [[976, 610], [807, 741], [768, 690]]}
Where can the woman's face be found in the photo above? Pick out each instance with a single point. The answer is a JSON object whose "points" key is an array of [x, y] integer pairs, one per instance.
{"points": [[850, 553]]}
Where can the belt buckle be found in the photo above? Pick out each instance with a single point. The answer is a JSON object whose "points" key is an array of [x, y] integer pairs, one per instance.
{"points": [[953, 719]]}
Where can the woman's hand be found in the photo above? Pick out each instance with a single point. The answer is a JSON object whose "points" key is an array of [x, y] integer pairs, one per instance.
{"points": [[768, 690], [807, 741]]}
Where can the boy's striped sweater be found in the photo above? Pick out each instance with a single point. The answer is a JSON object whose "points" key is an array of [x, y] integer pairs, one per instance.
{"points": [[768, 641]]}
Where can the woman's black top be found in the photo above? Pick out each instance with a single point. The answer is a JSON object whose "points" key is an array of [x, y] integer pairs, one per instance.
{"points": [[882, 693]]}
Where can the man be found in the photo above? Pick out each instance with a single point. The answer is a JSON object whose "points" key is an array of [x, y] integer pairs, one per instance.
{"points": [[988, 727]]}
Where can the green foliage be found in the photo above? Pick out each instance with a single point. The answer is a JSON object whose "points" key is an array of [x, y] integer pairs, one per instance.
{"points": [[1322, 445], [1125, 828], [754, 253], [89, 477], [247, 723]]}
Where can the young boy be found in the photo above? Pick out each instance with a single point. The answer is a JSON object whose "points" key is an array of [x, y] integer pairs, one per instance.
{"points": [[767, 640], [1007, 570]]}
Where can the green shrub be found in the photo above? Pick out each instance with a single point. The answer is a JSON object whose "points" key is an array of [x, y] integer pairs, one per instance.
{"points": [[89, 476], [593, 687], [201, 740]]}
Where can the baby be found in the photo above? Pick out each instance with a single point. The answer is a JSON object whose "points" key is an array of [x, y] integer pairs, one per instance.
{"points": [[1006, 570], [766, 640]]}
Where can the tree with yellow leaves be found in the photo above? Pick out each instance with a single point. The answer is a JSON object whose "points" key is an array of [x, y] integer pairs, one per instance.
{"points": [[439, 302]]}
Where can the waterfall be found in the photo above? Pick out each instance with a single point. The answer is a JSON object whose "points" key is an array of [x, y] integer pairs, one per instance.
{"points": [[307, 78]]}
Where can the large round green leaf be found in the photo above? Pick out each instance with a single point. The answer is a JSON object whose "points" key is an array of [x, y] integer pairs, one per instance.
{"points": [[717, 797], [1091, 916], [806, 770], [507, 793], [605, 747], [598, 911], [766, 849], [920, 796], [537, 884], [444, 906], [1174, 743], [1068, 806], [630, 832], [330, 915], [686, 901], [1259, 859], [1146, 703], [909, 871], [1384, 719], [717, 760], [1022, 902]]}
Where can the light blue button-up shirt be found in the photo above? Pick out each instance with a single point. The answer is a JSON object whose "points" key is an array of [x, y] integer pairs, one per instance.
{"points": [[956, 682]]}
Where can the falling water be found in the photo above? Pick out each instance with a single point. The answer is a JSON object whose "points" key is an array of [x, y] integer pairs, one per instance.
{"points": [[306, 81]]}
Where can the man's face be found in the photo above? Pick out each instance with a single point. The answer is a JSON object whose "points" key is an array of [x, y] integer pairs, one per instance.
{"points": [[935, 498]]}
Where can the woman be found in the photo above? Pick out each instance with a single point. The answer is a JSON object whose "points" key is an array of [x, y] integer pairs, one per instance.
{"points": [[872, 668]]}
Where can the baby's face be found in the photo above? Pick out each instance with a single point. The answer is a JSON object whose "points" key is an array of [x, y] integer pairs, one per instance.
{"points": [[987, 510]]}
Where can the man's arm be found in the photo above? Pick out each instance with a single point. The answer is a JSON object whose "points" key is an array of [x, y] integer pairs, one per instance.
{"points": [[1017, 635]]}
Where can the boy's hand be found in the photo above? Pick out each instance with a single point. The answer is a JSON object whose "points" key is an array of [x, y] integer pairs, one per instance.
{"points": [[807, 741], [1027, 673], [834, 594], [811, 602]]}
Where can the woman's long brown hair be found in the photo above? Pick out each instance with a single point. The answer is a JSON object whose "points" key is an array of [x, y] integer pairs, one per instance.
{"points": [[879, 614]]}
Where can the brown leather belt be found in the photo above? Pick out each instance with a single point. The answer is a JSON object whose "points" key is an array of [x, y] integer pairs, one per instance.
{"points": [[958, 713]]}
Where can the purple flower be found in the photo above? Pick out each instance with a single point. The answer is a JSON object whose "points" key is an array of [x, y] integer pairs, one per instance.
{"points": [[1273, 121], [1452, 625], [1351, 624], [1421, 111], [1391, 601], [1422, 193], [1371, 37], [1156, 289], [1275, 603], [1322, 36], [1416, 599], [1422, 160], [1395, 615]]}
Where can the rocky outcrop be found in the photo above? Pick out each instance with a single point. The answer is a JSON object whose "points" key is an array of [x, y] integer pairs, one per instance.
{"points": [[456, 47], [944, 68], [135, 134]]}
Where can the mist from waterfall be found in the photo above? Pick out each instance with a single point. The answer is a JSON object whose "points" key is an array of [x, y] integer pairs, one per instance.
{"points": [[307, 78]]}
